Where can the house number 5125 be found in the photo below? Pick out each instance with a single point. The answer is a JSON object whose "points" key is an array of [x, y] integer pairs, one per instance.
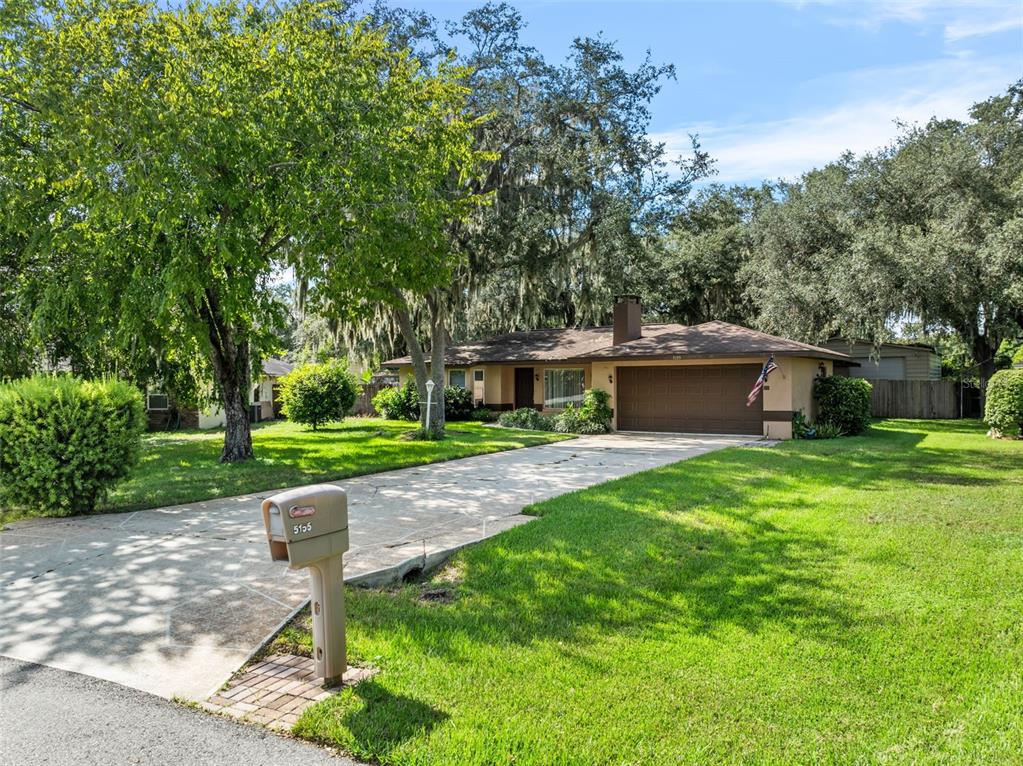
{"points": [[301, 529]]}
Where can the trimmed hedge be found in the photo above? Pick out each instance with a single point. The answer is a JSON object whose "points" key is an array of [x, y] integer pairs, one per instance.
{"points": [[64, 442], [402, 403], [1003, 406], [843, 403], [314, 394]]}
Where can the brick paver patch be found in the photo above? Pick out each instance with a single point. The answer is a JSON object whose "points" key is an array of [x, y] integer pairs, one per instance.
{"points": [[276, 690]]}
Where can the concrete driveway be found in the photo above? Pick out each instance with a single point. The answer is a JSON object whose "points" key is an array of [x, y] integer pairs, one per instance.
{"points": [[173, 600]]}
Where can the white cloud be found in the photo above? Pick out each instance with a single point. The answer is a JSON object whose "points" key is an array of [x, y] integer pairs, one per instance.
{"points": [[864, 120], [981, 26], [959, 19]]}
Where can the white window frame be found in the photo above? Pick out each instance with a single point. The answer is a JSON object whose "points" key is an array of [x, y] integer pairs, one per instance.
{"points": [[465, 377], [547, 399]]}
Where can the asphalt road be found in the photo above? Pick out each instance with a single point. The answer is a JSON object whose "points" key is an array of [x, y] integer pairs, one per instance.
{"points": [[54, 717]]}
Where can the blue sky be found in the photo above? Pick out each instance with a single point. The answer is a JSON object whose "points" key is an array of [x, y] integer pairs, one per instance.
{"points": [[777, 87]]}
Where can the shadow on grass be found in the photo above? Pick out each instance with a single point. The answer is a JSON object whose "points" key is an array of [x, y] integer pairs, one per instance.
{"points": [[387, 719], [697, 540]]}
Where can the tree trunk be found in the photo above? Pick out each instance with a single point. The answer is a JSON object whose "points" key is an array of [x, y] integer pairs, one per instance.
{"points": [[231, 360], [435, 370], [984, 349]]}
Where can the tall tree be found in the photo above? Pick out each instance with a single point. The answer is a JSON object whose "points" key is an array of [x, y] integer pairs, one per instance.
{"points": [[699, 271], [928, 230], [177, 159], [576, 189]]}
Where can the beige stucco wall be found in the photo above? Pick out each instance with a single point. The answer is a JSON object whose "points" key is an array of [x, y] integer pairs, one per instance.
{"points": [[789, 388]]}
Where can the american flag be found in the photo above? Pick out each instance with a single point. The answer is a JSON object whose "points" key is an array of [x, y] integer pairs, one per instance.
{"points": [[759, 385]]}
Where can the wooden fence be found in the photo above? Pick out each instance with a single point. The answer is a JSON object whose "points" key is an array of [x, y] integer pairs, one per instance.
{"points": [[927, 399], [364, 404]]}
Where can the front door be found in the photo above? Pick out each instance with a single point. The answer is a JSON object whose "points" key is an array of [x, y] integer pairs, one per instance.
{"points": [[523, 387]]}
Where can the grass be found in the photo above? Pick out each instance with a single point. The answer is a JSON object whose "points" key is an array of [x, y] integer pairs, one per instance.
{"points": [[848, 601], [181, 466]]}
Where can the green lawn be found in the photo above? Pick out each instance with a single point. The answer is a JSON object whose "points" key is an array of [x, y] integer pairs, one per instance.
{"points": [[181, 466], [849, 601]]}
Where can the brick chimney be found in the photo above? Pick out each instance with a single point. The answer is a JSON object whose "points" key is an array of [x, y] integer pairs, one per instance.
{"points": [[628, 319]]}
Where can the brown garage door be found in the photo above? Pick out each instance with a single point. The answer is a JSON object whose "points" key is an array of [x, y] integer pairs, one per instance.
{"points": [[697, 399]]}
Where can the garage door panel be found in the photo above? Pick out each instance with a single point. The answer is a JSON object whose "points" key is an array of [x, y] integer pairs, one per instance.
{"points": [[697, 399]]}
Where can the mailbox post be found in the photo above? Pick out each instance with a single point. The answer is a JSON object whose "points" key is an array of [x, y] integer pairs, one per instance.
{"points": [[308, 528]]}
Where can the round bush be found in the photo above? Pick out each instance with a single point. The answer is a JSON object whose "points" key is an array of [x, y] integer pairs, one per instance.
{"points": [[843, 403], [457, 403], [398, 403], [65, 441], [314, 394], [1003, 406]]}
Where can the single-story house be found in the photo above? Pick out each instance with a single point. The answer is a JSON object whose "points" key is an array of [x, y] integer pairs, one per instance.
{"points": [[264, 403], [661, 377], [890, 361]]}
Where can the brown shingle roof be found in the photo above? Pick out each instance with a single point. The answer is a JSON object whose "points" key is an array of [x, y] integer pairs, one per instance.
{"points": [[659, 341], [550, 345], [713, 339]]}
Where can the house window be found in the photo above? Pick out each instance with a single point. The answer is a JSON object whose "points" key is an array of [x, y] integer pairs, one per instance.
{"points": [[456, 378], [157, 401], [562, 387]]}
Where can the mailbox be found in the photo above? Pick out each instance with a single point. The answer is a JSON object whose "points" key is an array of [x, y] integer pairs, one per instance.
{"points": [[308, 528]]}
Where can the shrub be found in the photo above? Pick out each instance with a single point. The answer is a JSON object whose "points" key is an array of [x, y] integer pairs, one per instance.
{"points": [[527, 418], [596, 410], [569, 420], [826, 430], [483, 415], [1003, 407], [457, 403], [399, 402], [593, 417], [801, 428], [314, 394], [843, 402], [65, 441]]}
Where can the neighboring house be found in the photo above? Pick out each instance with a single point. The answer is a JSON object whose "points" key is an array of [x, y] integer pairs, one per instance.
{"points": [[661, 377], [889, 361], [264, 403]]}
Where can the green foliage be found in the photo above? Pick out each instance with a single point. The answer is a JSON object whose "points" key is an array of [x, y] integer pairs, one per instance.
{"points": [[64, 442], [699, 273], [1003, 408], [457, 403], [526, 418], [596, 407], [314, 394], [398, 402], [801, 428], [827, 430], [572, 421], [592, 417], [930, 227], [1009, 352], [842, 402], [161, 164], [483, 415]]}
